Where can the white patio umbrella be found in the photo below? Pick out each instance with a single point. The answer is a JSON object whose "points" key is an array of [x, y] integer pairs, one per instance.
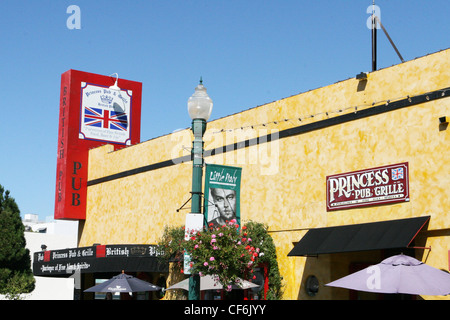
{"points": [[398, 274], [209, 282]]}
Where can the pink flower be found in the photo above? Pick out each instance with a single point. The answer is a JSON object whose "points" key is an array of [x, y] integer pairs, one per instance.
{"points": [[211, 259], [213, 236], [196, 246], [215, 248], [205, 264]]}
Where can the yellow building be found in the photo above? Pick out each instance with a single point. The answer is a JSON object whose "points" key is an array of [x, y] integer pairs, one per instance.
{"points": [[289, 151]]}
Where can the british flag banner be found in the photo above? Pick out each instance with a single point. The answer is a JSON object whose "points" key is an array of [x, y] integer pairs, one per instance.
{"points": [[397, 173], [105, 114], [107, 119]]}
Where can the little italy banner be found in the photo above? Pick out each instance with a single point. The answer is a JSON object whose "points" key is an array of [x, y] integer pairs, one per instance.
{"points": [[222, 194]]}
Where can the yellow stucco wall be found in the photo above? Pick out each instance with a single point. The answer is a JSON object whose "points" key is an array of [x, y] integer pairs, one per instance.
{"points": [[283, 182]]}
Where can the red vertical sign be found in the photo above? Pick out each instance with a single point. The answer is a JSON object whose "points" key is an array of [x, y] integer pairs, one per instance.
{"points": [[91, 114]]}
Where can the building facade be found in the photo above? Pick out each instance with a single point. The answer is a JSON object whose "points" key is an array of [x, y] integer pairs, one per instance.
{"points": [[51, 235], [319, 161]]}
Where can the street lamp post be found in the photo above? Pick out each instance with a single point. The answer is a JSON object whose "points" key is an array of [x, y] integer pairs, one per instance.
{"points": [[199, 108]]}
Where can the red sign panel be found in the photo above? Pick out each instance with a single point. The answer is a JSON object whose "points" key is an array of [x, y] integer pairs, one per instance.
{"points": [[381, 185], [91, 114]]}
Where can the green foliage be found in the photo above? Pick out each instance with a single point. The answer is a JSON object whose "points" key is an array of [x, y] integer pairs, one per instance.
{"points": [[261, 237], [170, 246], [228, 252], [15, 263]]}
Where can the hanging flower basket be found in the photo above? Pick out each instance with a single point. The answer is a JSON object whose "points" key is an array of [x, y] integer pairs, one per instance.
{"points": [[226, 252]]}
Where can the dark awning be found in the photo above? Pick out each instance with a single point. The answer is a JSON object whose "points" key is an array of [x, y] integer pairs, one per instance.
{"points": [[359, 237], [100, 258]]}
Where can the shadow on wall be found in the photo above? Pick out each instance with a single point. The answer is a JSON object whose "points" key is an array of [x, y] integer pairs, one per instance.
{"points": [[318, 271]]}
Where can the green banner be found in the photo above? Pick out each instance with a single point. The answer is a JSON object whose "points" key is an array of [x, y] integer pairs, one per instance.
{"points": [[222, 194]]}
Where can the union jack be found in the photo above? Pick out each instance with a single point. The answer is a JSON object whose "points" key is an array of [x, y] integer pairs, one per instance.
{"points": [[106, 119], [397, 174]]}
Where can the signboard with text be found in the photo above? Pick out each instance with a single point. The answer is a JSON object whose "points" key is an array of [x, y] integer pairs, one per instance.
{"points": [[100, 258], [105, 114], [90, 115], [381, 185]]}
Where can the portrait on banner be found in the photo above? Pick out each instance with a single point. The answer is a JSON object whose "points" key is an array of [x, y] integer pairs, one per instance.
{"points": [[222, 194]]}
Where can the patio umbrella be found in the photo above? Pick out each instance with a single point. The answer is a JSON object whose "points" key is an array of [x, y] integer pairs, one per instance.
{"points": [[208, 282], [123, 283], [398, 274]]}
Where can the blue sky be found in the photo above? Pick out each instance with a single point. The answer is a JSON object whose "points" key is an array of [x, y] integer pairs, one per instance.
{"points": [[248, 52]]}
